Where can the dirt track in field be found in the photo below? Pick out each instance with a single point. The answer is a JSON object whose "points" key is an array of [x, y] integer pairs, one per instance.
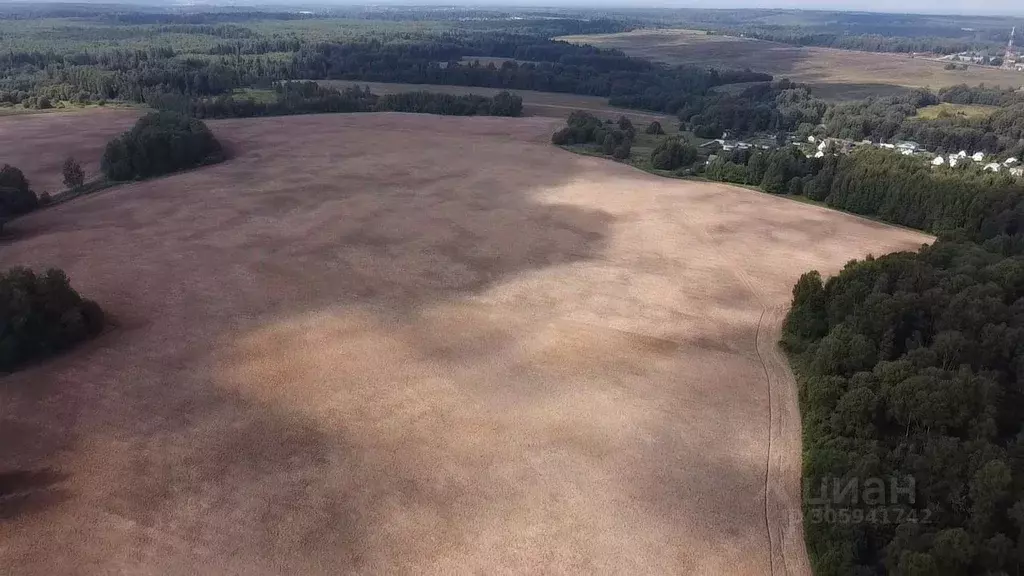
{"points": [[412, 344]]}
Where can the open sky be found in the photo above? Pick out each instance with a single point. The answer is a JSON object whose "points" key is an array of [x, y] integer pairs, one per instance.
{"points": [[977, 7]]}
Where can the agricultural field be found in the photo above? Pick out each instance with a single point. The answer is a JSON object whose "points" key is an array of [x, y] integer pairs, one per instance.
{"points": [[548, 104], [32, 146], [413, 344], [835, 74]]}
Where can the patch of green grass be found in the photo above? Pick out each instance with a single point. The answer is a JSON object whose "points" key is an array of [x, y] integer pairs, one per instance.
{"points": [[947, 110], [261, 95]]}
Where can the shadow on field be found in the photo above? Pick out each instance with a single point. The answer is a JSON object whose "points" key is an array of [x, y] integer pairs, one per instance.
{"points": [[391, 213], [28, 491]]}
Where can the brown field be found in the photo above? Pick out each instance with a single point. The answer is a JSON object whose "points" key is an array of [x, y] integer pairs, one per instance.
{"points": [[393, 343], [38, 144], [549, 104], [835, 74]]}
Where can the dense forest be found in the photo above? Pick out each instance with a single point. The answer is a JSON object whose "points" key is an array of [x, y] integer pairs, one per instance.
{"points": [[943, 34], [910, 371]]}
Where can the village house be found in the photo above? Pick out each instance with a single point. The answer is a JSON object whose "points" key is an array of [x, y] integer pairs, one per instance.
{"points": [[1018, 171], [993, 167], [938, 161], [908, 146], [978, 157], [1010, 162]]}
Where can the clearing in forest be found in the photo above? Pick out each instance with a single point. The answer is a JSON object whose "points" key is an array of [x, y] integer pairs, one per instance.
{"points": [[397, 343], [834, 74]]}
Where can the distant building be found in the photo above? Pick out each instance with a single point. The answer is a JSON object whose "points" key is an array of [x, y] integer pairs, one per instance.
{"points": [[953, 160], [1010, 162], [962, 154], [908, 145], [888, 146], [993, 167], [938, 161], [819, 154], [1018, 171], [812, 139], [978, 157]]}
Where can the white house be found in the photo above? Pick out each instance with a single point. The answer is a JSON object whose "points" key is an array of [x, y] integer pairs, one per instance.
{"points": [[938, 161], [908, 145], [819, 154], [1010, 162], [978, 157], [1018, 171], [993, 167], [812, 139], [962, 154], [907, 152], [953, 160], [887, 146]]}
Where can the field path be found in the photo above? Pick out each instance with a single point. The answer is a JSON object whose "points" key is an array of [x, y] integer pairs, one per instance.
{"points": [[404, 344]]}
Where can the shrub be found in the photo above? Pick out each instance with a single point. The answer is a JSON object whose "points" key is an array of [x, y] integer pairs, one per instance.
{"points": [[15, 196], [41, 315], [160, 143], [655, 129], [672, 154], [506, 104], [74, 176], [45, 199]]}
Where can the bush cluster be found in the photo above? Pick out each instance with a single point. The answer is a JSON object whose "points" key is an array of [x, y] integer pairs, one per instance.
{"points": [[160, 143], [612, 139], [41, 315]]}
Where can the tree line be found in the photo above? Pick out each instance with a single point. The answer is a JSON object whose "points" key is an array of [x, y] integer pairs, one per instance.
{"points": [[911, 366], [312, 98]]}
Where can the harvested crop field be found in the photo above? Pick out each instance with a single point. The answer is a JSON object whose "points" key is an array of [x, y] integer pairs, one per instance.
{"points": [[38, 144], [834, 74], [394, 343]]}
